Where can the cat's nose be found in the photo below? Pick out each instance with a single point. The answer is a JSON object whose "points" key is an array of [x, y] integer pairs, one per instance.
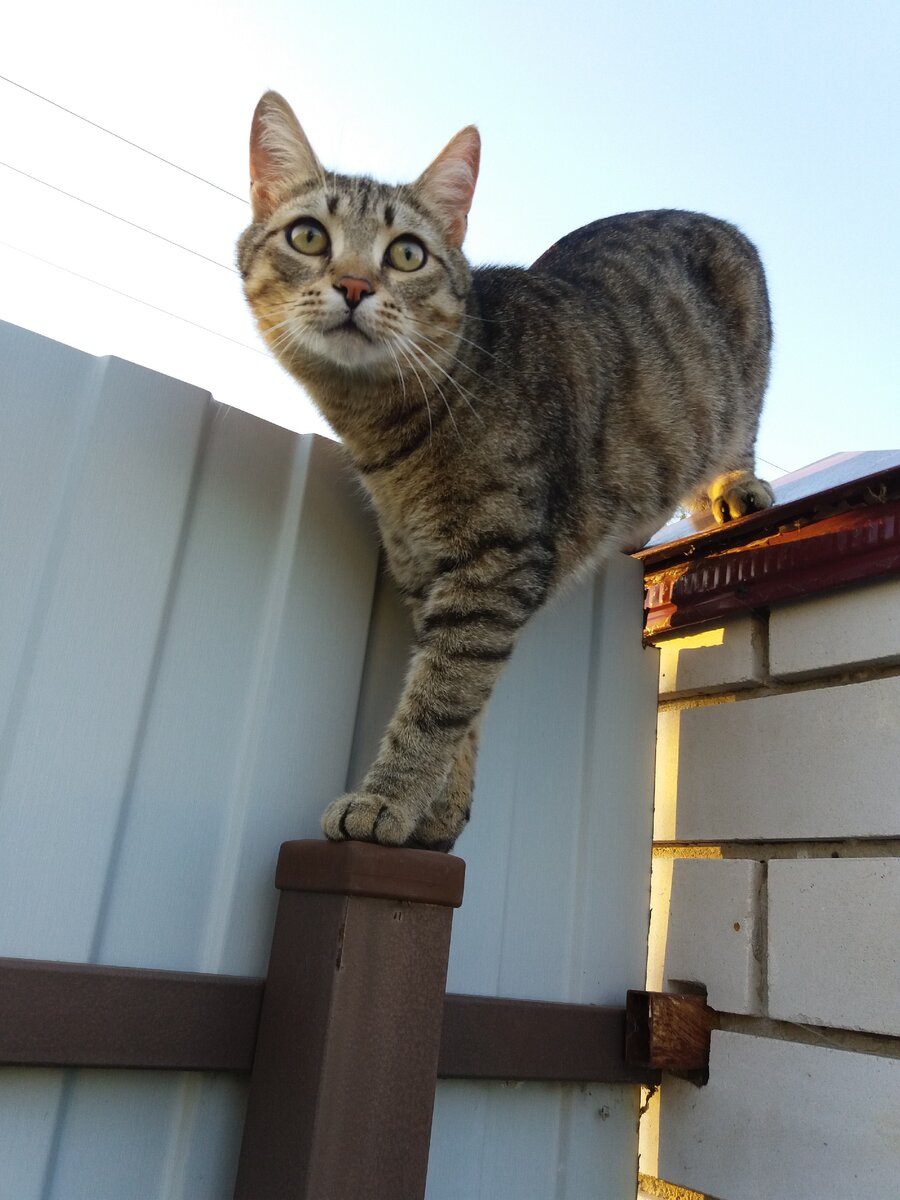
{"points": [[354, 289]]}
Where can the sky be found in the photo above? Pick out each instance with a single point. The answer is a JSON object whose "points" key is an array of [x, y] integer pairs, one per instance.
{"points": [[782, 116]]}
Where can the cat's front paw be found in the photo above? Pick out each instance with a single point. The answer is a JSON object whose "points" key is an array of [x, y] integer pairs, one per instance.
{"points": [[366, 817], [439, 828]]}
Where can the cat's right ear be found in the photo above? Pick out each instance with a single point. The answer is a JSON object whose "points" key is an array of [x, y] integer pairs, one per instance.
{"points": [[449, 183], [280, 155]]}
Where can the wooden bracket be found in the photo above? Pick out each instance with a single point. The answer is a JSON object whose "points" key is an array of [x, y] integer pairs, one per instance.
{"points": [[669, 1032]]}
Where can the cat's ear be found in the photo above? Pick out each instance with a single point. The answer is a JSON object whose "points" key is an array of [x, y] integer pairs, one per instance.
{"points": [[280, 155], [449, 183]]}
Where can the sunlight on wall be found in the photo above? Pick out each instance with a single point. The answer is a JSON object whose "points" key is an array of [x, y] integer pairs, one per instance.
{"points": [[665, 790], [670, 653], [665, 804], [656, 1189]]}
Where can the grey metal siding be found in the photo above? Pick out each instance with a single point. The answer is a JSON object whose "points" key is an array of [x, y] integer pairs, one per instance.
{"points": [[190, 668]]}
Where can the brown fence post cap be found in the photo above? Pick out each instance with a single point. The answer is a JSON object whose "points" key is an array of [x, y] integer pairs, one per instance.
{"points": [[365, 869]]}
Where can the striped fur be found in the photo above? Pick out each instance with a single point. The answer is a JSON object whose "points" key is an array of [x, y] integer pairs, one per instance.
{"points": [[513, 427]]}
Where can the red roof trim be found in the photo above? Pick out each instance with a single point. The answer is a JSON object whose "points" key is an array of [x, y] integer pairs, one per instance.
{"points": [[799, 497], [846, 548]]}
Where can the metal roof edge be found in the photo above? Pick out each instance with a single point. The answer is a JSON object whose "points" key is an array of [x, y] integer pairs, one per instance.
{"points": [[842, 534]]}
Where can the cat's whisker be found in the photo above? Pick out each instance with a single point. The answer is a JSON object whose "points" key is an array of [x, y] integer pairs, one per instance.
{"points": [[285, 337], [422, 386], [422, 354], [467, 316], [452, 333], [279, 339], [464, 392], [275, 326], [397, 365], [287, 323], [459, 361], [293, 303]]}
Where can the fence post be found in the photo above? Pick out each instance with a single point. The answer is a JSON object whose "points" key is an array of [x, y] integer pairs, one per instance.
{"points": [[342, 1086]]}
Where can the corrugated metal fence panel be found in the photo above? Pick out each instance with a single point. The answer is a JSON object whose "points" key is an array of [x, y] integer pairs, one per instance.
{"points": [[185, 610], [186, 601], [557, 895]]}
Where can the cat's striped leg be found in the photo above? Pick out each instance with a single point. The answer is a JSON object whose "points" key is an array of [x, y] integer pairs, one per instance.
{"points": [[470, 624], [448, 685], [449, 815]]}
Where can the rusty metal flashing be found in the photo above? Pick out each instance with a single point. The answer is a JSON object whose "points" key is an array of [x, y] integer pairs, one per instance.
{"points": [[842, 535], [669, 1032]]}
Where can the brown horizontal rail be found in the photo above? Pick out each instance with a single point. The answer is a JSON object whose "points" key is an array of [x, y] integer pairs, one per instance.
{"points": [[58, 1014], [486, 1038], [55, 1014]]}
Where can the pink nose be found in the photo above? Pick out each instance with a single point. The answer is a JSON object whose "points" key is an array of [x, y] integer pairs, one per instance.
{"points": [[354, 289]]}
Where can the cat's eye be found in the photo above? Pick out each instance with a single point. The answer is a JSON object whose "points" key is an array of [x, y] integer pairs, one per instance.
{"points": [[308, 236], [406, 254]]}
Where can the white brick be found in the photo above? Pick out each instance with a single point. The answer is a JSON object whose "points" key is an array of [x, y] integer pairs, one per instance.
{"points": [[713, 930], [785, 1122], [834, 928], [849, 629], [726, 656], [665, 790], [822, 763]]}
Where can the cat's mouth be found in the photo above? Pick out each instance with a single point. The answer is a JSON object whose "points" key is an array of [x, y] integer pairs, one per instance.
{"points": [[349, 326]]}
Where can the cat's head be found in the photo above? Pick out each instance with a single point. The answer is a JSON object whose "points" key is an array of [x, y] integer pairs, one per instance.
{"points": [[344, 273]]}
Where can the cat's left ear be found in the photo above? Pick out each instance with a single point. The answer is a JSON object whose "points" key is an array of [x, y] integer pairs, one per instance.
{"points": [[449, 183], [280, 155]]}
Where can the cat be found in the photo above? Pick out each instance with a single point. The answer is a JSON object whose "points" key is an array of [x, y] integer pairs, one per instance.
{"points": [[513, 427]]}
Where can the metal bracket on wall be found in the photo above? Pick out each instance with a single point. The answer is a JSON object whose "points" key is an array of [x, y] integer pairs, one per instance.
{"points": [[669, 1032]]}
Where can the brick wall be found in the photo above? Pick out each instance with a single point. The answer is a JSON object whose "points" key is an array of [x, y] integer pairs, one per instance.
{"points": [[776, 888]]}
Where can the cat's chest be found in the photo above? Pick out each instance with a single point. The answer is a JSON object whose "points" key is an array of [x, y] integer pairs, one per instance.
{"points": [[413, 552], [415, 534]]}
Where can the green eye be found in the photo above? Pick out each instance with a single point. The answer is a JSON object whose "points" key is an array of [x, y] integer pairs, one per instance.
{"points": [[308, 236], [406, 254]]}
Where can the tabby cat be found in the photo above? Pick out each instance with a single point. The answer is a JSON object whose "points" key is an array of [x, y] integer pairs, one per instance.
{"points": [[512, 426]]}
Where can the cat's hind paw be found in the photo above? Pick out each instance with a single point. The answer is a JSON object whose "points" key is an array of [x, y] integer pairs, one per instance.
{"points": [[738, 493], [366, 817]]}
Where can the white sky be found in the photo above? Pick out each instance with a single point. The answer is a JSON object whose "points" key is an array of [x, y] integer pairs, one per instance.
{"points": [[781, 115]]}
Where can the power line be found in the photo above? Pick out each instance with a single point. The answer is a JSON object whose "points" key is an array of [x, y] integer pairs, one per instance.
{"points": [[106, 212], [119, 137], [165, 311], [146, 303], [175, 166]]}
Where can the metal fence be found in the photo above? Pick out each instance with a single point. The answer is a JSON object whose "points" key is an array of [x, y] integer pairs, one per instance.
{"points": [[196, 653]]}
